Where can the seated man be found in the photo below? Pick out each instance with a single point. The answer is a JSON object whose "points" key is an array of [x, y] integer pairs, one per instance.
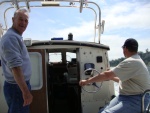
{"points": [[134, 79]]}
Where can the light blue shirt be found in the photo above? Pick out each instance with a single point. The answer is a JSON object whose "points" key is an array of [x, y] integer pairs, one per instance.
{"points": [[14, 53]]}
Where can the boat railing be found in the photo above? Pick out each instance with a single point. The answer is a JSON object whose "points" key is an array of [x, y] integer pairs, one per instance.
{"points": [[1, 31], [98, 26]]}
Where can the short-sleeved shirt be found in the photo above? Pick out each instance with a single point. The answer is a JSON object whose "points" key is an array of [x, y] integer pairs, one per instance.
{"points": [[133, 74], [14, 53]]}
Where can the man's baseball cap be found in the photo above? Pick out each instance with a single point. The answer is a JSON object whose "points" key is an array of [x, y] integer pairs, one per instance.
{"points": [[131, 44]]}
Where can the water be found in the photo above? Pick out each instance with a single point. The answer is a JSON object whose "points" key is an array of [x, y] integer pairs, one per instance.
{"points": [[148, 68], [116, 88]]}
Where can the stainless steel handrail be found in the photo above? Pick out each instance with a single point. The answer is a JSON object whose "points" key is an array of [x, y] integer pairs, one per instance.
{"points": [[95, 27], [143, 97]]}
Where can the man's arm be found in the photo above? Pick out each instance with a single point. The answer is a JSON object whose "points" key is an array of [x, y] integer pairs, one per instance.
{"points": [[116, 79], [107, 75], [19, 78]]}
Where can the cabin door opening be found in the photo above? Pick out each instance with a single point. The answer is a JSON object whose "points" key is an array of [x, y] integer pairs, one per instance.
{"points": [[63, 77]]}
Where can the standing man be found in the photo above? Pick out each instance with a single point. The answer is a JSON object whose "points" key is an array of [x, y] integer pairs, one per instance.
{"points": [[16, 65], [134, 77]]}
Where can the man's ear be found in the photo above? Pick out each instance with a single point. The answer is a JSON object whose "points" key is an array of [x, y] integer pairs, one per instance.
{"points": [[126, 49], [12, 19]]}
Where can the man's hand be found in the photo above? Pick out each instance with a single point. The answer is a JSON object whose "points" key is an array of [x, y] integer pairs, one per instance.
{"points": [[27, 97], [83, 82]]}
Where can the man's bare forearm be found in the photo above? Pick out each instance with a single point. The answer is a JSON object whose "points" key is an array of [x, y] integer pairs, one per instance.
{"points": [[19, 78], [116, 79], [107, 75]]}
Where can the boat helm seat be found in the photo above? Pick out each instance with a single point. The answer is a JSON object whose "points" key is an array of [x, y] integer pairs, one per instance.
{"points": [[147, 110]]}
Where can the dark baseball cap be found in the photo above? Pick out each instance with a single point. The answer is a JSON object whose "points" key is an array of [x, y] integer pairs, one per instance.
{"points": [[131, 44]]}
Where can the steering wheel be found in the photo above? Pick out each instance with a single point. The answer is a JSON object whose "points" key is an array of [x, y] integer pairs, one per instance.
{"points": [[92, 87]]}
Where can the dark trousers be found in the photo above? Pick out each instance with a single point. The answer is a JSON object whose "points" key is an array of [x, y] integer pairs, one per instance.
{"points": [[14, 99]]}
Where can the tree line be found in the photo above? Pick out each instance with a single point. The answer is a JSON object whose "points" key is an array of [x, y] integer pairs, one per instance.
{"points": [[144, 55]]}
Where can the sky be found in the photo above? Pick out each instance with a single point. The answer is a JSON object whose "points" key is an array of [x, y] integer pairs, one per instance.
{"points": [[123, 19]]}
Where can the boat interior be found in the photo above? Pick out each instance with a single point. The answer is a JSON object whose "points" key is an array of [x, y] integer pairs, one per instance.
{"points": [[63, 88]]}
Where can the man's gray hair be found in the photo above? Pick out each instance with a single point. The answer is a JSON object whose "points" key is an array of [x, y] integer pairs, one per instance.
{"points": [[21, 10]]}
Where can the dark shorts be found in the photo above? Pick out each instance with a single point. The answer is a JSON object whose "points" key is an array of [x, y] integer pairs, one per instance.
{"points": [[14, 99]]}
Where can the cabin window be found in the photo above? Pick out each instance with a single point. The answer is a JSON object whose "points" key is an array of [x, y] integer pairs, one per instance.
{"points": [[70, 56], [55, 57], [58, 56], [36, 77]]}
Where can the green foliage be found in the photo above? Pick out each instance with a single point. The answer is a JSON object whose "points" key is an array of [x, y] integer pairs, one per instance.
{"points": [[145, 56]]}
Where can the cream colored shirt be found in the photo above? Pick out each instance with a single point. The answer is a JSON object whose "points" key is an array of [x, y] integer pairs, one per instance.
{"points": [[134, 75]]}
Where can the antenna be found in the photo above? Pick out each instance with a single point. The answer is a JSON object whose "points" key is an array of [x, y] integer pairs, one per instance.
{"points": [[102, 26]]}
